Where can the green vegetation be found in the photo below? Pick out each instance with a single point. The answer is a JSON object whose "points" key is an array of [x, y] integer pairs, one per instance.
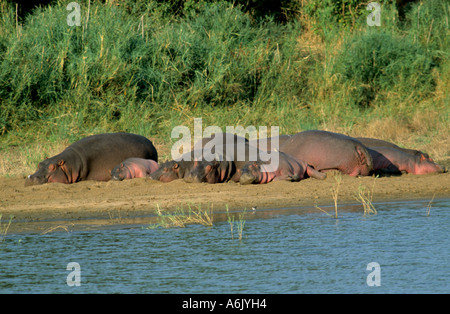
{"points": [[181, 218], [240, 223], [4, 228], [145, 67]]}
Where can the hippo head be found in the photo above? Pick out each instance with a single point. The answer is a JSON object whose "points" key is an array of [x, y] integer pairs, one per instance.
{"points": [[119, 172], [202, 171], [170, 170], [250, 173], [210, 171], [49, 170], [425, 165]]}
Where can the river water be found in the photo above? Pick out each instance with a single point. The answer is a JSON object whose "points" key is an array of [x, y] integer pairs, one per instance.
{"points": [[400, 249]]}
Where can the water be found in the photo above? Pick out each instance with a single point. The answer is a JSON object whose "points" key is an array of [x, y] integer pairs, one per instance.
{"points": [[288, 253]]}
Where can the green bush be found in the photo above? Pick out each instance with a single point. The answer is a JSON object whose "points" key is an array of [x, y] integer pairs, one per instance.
{"points": [[145, 66], [376, 62]]}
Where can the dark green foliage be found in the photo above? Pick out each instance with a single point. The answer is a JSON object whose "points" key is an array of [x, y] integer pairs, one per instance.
{"points": [[377, 61], [140, 65]]}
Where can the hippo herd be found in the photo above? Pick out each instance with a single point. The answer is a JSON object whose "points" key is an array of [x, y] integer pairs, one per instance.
{"points": [[119, 156]]}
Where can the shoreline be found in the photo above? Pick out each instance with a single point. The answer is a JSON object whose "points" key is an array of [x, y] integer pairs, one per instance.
{"points": [[89, 204]]}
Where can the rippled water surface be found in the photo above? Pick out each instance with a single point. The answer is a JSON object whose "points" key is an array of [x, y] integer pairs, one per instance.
{"points": [[288, 253]]}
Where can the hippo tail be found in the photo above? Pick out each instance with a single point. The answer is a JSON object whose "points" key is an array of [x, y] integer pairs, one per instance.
{"points": [[365, 158]]}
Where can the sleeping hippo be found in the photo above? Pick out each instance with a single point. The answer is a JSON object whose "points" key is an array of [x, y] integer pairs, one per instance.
{"points": [[192, 169], [134, 168], [226, 166], [92, 158], [289, 168], [325, 151], [172, 170], [393, 160], [374, 142], [266, 143]]}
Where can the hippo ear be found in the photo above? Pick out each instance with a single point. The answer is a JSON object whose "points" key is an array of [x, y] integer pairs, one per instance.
{"points": [[61, 162], [175, 166], [422, 157]]}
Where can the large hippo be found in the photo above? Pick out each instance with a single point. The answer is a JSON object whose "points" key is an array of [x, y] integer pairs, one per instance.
{"points": [[289, 168], [325, 150], [92, 158], [134, 168], [266, 143], [374, 142], [393, 160]]}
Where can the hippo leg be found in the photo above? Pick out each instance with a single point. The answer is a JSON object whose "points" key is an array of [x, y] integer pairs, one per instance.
{"points": [[313, 173]]}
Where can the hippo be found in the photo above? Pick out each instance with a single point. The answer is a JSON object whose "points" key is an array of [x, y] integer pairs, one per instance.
{"points": [[92, 158], [393, 160], [325, 151], [176, 169], [228, 161], [266, 143], [134, 168], [373, 142], [212, 172], [172, 170], [289, 168]]}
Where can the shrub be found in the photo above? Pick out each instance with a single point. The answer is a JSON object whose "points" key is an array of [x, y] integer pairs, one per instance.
{"points": [[375, 61]]}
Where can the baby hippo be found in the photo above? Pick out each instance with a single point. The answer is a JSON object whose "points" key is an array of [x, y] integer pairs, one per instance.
{"points": [[289, 168], [134, 168]]}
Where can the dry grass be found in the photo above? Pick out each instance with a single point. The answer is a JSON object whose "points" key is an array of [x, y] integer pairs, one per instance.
{"points": [[364, 195]]}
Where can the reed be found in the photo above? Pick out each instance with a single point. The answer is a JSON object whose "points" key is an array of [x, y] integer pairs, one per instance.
{"points": [[429, 205], [364, 195], [335, 191], [4, 228], [240, 223], [181, 218]]}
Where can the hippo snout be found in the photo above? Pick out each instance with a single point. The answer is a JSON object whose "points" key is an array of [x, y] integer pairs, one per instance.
{"points": [[35, 180], [116, 178], [247, 178], [192, 179]]}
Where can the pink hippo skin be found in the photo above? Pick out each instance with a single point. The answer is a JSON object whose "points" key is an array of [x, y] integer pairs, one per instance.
{"points": [[289, 168], [325, 151], [265, 144], [134, 168], [393, 160], [374, 142]]}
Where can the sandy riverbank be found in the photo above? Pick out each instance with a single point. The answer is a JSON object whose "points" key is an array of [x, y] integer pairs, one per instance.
{"points": [[37, 208]]}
